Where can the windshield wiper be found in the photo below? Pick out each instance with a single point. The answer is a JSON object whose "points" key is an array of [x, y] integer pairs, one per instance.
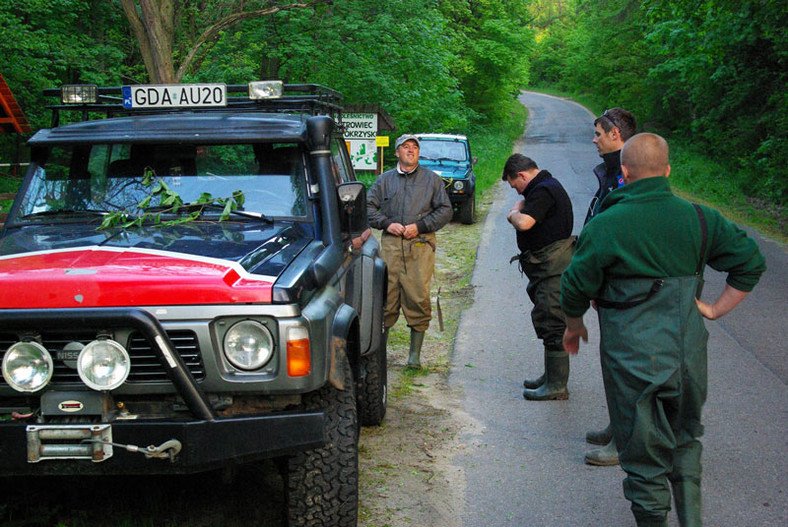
{"points": [[439, 159], [65, 212], [244, 213]]}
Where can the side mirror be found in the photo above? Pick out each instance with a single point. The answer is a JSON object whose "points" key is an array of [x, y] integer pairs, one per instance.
{"points": [[474, 160], [352, 208]]}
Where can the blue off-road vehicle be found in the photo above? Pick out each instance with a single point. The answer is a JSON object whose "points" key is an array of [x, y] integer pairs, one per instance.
{"points": [[189, 284], [449, 156]]}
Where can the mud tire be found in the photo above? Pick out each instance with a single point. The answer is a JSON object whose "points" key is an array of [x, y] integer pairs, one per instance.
{"points": [[466, 212], [321, 485]]}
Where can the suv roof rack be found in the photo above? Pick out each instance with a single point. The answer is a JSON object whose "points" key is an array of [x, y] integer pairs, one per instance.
{"points": [[311, 99]]}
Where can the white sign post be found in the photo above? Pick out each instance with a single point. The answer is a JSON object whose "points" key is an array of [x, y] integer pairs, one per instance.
{"points": [[360, 132]]}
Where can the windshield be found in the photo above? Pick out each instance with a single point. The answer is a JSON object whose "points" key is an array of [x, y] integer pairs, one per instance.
{"points": [[101, 178], [442, 150]]}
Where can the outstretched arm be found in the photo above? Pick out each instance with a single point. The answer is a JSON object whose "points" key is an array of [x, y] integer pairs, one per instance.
{"points": [[729, 299]]}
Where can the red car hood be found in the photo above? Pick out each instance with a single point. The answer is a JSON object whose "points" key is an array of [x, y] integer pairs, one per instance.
{"points": [[106, 277]]}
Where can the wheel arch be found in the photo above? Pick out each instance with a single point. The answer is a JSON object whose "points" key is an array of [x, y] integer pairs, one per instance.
{"points": [[345, 339]]}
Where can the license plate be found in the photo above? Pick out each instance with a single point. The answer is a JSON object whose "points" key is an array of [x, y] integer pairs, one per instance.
{"points": [[174, 95]]}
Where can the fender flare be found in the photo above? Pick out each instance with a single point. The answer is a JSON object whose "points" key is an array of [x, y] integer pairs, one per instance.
{"points": [[379, 279], [344, 339]]}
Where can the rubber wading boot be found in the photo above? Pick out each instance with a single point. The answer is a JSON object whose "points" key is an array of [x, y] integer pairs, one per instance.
{"points": [[600, 437], [416, 340], [557, 373], [651, 523], [686, 495], [607, 456], [534, 383]]}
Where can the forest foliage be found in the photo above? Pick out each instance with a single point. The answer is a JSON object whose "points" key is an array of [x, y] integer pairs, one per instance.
{"points": [[707, 73]]}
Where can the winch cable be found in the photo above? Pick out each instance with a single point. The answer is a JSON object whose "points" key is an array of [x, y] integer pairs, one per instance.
{"points": [[167, 450]]}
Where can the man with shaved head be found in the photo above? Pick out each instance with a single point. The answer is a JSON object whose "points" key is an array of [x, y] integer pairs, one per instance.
{"points": [[646, 156], [641, 260]]}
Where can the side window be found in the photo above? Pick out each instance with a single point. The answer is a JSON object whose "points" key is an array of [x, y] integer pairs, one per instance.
{"points": [[343, 171]]}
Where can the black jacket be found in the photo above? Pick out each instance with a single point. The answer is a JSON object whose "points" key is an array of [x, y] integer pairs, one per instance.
{"points": [[608, 174]]}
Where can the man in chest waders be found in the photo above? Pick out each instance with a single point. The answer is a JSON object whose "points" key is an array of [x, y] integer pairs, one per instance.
{"points": [[611, 131], [542, 219], [641, 259], [409, 204]]}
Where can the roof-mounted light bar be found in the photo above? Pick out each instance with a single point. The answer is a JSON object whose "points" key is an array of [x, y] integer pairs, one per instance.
{"points": [[265, 90], [78, 93]]}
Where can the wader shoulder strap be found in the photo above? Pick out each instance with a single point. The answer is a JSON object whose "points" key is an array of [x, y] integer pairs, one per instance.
{"points": [[657, 284]]}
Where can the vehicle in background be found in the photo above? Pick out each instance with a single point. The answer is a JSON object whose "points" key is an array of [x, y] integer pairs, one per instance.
{"points": [[449, 156]]}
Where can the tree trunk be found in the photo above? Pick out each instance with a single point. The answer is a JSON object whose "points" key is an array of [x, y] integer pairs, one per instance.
{"points": [[153, 23]]}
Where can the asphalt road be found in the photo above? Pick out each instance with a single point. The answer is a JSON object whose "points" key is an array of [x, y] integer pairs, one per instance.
{"points": [[524, 466]]}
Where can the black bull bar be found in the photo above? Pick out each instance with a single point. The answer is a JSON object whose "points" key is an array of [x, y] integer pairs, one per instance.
{"points": [[208, 441]]}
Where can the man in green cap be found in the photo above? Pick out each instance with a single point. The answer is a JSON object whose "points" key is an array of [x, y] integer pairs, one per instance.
{"points": [[641, 260]]}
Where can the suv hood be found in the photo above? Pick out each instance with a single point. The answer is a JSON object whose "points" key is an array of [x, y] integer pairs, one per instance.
{"points": [[81, 267], [447, 169]]}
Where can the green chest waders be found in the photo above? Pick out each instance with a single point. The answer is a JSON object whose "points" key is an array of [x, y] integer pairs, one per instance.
{"points": [[543, 269], [654, 367]]}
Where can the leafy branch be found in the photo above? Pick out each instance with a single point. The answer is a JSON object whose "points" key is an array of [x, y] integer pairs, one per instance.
{"points": [[170, 202]]}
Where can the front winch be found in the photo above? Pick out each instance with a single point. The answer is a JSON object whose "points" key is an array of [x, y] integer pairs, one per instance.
{"points": [[93, 442], [69, 442]]}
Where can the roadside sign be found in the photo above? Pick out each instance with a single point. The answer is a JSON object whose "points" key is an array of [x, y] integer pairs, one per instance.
{"points": [[360, 125], [382, 141], [363, 154], [174, 95], [361, 129]]}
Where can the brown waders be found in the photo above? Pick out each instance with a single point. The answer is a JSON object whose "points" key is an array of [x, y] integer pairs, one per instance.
{"points": [[410, 266], [543, 269], [655, 374]]}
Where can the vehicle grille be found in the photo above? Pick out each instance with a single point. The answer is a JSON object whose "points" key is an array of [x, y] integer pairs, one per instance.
{"points": [[145, 365]]}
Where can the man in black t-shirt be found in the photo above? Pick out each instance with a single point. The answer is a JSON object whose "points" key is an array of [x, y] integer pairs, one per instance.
{"points": [[543, 221]]}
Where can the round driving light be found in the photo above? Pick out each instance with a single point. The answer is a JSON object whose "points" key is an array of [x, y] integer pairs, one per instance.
{"points": [[458, 185], [27, 366], [103, 365], [248, 345]]}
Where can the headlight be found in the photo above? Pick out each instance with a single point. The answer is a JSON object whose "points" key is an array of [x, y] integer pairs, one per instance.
{"points": [[103, 365], [458, 185], [248, 345], [27, 366], [265, 90]]}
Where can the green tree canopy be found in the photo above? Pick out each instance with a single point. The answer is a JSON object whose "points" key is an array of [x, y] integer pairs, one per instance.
{"points": [[712, 73]]}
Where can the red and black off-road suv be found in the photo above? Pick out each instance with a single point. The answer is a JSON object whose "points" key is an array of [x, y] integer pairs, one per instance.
{"points": [[188, 283]]}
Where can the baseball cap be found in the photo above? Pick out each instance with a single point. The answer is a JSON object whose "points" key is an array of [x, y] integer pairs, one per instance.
{"points": [[405, 137]]}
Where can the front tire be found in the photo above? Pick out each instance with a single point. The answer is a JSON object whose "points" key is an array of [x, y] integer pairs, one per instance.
{"points": [[467, 210], [321, 485]]}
